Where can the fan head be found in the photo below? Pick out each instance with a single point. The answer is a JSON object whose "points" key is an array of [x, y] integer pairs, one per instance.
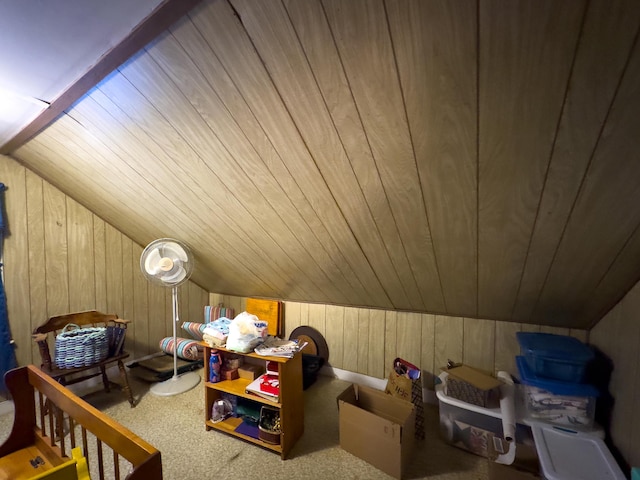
{"points": [[166, 262]]}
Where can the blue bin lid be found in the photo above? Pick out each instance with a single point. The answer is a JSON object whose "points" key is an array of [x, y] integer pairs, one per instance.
{"points": [[560, 347], [556, 387]]}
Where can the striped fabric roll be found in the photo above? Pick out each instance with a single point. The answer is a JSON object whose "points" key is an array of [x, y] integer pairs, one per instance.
{"points": [[212, 313], [196, 330], [187, 349]]}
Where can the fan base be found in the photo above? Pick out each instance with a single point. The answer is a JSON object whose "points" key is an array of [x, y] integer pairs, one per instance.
{"points": [[176, 384]]}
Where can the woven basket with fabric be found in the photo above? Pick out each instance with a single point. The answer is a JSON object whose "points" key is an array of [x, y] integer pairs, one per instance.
{"points": [[81, 347]]}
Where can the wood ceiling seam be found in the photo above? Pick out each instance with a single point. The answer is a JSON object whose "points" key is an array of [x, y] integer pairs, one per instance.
{"points": [[552, 152], [331, 177], [435, 68], [225, 135], [605, 186], [189, 36], [315, 38], [216, 30], [196, 171], [382, 120], [150, 131], [199, 170], [92, 179], [593, 84], [519, 101], [32, 155], [614, 285], [103, 130], [420, 176]]}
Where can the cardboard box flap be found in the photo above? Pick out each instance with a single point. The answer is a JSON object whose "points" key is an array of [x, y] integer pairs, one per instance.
{"points": [[474, 377], [348, 396], [382, 404]]}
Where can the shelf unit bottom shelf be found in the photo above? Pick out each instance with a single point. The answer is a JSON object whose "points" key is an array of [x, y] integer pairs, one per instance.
{"points": [[229, 426]]}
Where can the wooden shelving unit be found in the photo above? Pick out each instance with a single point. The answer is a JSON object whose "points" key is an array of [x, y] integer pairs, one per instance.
{"points": [[290, 402]]}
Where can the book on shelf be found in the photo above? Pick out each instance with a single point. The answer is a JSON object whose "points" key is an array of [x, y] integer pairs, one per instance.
{"points": [[254, 388]]}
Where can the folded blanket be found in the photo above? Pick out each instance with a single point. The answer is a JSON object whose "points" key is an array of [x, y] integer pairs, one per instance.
{"points": [[213, 341], [218, 328]]}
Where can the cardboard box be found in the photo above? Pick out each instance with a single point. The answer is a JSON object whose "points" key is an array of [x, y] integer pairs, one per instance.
{"points": [[250, 371], [473, 386], [377, 428], [229, 374]]}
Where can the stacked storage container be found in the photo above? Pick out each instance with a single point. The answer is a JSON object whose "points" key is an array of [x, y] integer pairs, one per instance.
{"points": [[552, 370]]}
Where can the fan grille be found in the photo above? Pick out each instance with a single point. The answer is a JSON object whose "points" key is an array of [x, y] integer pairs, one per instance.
{"points": [[167, 262]]}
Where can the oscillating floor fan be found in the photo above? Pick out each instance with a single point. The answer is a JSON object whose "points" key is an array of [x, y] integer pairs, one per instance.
{"points": [[168, 262]]}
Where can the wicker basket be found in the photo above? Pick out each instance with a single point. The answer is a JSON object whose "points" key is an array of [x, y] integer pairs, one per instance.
{"points": [[269, 425], [81, 347]]}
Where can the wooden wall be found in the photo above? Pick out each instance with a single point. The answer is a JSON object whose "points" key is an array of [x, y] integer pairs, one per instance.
{"points": [[59, 258], [617, 335], [464, 158], [366, 340]]}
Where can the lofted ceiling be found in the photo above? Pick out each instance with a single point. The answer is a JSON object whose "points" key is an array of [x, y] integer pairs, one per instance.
{"points": [[472, 158]]}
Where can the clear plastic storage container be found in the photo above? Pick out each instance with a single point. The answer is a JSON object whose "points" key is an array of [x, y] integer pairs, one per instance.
{"points": [[472, 427], [558, 357], [553, 401]]}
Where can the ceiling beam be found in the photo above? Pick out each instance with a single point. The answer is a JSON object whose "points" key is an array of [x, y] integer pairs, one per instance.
{"points": [[166, 14]]}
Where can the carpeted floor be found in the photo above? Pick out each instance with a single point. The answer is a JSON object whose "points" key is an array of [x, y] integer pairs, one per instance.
{"points": [[175, 426]]}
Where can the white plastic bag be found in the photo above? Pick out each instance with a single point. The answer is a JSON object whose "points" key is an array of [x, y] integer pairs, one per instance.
{"points": [[246, 332]]}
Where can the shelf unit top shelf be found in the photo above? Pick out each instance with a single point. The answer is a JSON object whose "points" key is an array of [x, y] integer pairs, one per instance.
{"points": [[249, 354]]}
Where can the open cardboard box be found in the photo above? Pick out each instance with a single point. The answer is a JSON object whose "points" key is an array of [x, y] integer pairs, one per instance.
{"points": [[377, 428]]}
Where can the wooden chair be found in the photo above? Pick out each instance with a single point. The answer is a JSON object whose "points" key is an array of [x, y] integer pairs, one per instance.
{"points": [[67, 376]]}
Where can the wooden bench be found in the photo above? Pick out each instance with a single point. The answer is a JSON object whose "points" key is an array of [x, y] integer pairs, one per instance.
{"points": [[50, 421], [46, 334]]}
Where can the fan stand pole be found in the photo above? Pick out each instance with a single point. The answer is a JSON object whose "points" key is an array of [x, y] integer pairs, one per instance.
{"points": [[176, 319], [178, 383]]}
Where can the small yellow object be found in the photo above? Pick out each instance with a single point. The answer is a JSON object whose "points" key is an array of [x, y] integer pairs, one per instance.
{"points": [[81, 464]]}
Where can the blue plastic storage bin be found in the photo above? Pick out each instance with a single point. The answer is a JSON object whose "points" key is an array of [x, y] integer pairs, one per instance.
{"points": [[557, 402], [557, 357]]}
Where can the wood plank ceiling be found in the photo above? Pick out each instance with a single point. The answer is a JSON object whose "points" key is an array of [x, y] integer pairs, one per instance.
{"points": [[473, 158]]}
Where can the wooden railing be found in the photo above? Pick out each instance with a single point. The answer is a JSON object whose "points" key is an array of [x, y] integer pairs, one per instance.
{"points": [[50, 421]]}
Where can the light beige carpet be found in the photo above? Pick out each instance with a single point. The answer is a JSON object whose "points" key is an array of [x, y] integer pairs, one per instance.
{"points": [[175, 426]]}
